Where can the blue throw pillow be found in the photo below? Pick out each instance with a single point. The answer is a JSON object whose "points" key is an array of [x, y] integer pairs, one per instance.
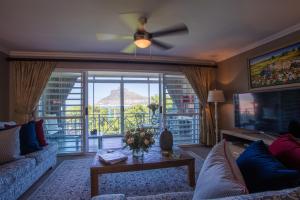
{"points": [[263, 172], [28, 139]]}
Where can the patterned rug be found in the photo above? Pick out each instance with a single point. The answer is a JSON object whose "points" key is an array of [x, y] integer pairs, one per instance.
{"points": [[70, 180]]}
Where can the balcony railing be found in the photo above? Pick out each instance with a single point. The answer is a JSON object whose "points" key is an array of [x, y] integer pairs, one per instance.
{"points": [[110, 124], [68, 132]]}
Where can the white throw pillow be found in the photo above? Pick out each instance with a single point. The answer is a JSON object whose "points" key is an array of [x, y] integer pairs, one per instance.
{"points": [[11, 123], [9, 144], [220, 175]]}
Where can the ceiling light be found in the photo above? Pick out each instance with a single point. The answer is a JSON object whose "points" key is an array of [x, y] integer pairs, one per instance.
{"points": [[142, 43]]}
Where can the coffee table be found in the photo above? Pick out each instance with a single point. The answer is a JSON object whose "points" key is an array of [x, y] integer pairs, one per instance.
{"points": [[151, 160]]}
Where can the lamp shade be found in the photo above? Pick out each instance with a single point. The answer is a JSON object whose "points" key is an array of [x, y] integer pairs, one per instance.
{"points": [[215, 96], [142, 43]]}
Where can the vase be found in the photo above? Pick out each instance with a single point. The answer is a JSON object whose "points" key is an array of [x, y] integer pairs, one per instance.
{"points": [[166, 140], [153, 119], [137, 153]]}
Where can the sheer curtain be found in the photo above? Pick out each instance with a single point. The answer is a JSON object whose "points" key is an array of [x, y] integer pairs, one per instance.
{"points": [[28, 80], [202, 79]]}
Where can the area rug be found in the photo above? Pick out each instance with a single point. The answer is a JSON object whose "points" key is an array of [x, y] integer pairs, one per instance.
{"points": [[71, 180]]}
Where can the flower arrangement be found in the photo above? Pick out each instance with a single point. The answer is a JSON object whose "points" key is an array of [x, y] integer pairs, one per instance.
{"points": [[139, 140]]}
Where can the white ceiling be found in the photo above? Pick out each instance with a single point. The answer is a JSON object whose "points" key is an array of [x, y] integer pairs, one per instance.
{"points": [[218, 28]]}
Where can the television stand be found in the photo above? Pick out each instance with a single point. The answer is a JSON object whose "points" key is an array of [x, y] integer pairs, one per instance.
{"points": [[238, 139]]}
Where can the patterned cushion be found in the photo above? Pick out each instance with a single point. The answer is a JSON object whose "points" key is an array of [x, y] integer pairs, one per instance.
{"points": [[286, 194], [2, 124], [219, 176], [110, 197], [5, 181], [9, 144], [12, 171], [43, 154], [165, 196]]}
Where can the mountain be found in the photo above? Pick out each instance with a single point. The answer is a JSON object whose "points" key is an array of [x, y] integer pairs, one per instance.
{"points": [[130, 99]]}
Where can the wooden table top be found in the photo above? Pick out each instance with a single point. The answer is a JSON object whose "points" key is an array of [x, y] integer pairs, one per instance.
{"points": [[154, 158]]}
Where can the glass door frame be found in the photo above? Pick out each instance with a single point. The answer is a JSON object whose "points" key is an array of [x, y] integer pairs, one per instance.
{"points": [[122, 108]]}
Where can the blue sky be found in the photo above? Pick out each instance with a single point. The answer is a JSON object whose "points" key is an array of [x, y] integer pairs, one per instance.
{"points": [[104, 89]]}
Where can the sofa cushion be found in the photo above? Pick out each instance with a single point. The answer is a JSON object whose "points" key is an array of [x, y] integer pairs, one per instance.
{"points": [[12, 171], [220, 175], [287, 150], [165, 196], [39, 130], [110, 197], [9, 144], [263, 172], [11, 123], [43, 154], [28, 139], [286, 194]]}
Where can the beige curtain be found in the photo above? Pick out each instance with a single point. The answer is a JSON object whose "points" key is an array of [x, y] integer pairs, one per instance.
{"points": [[202, 79], [28, 80]]}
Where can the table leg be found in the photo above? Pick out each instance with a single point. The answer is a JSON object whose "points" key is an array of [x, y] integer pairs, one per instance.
{"points": [[94, 183], [191, 173]]}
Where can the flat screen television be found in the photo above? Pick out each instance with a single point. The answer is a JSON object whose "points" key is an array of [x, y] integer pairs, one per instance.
{"points": [[269, 112]]}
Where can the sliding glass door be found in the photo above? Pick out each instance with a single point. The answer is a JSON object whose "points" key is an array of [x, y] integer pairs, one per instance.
{"points": [[86, 111], [181, 109], [61, 106], [119, 102], [104, 112]]}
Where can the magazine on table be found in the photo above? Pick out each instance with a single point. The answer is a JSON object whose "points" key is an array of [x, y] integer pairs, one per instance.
{"points": [[112, 157]]}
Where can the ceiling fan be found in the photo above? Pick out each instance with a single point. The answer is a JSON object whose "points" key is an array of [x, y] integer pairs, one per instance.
{"points": [[142, 38]]}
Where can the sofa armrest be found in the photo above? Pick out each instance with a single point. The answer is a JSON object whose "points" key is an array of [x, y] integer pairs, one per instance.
{"points": [[110, 197]]}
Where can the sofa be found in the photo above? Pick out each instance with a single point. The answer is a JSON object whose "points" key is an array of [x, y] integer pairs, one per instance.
{"points": [[17, 176], [286, 194]]}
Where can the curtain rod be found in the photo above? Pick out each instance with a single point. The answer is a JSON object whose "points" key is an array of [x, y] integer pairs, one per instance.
{"points": [[111, 61]]}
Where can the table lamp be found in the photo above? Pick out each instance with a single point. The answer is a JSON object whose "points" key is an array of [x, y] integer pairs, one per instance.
{"points": [[216, 96]]}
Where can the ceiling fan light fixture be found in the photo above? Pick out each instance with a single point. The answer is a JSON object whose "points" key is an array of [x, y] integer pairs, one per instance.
{"points": [[142, 43]]}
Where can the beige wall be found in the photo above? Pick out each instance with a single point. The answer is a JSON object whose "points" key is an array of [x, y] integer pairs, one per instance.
{"points": [[4, 85], [232, 76]]}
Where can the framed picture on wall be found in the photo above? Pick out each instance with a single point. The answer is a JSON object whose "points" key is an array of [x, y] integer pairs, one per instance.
{"points": [[279, 68]]}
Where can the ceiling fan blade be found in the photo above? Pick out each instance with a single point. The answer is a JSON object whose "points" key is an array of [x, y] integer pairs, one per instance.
{"points": [[177, 29], [131, 20], [129, 49], [161, 45], [104, 36]]}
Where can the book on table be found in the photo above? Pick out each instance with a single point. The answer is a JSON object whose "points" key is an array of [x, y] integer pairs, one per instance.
{"points": [[112, 157]]}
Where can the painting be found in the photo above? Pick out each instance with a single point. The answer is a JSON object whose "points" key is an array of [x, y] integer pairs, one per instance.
{"points": [[277, 68]]}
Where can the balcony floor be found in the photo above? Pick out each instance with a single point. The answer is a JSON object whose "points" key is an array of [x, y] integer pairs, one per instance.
{"points": [[74, 144], [107, 143]]}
